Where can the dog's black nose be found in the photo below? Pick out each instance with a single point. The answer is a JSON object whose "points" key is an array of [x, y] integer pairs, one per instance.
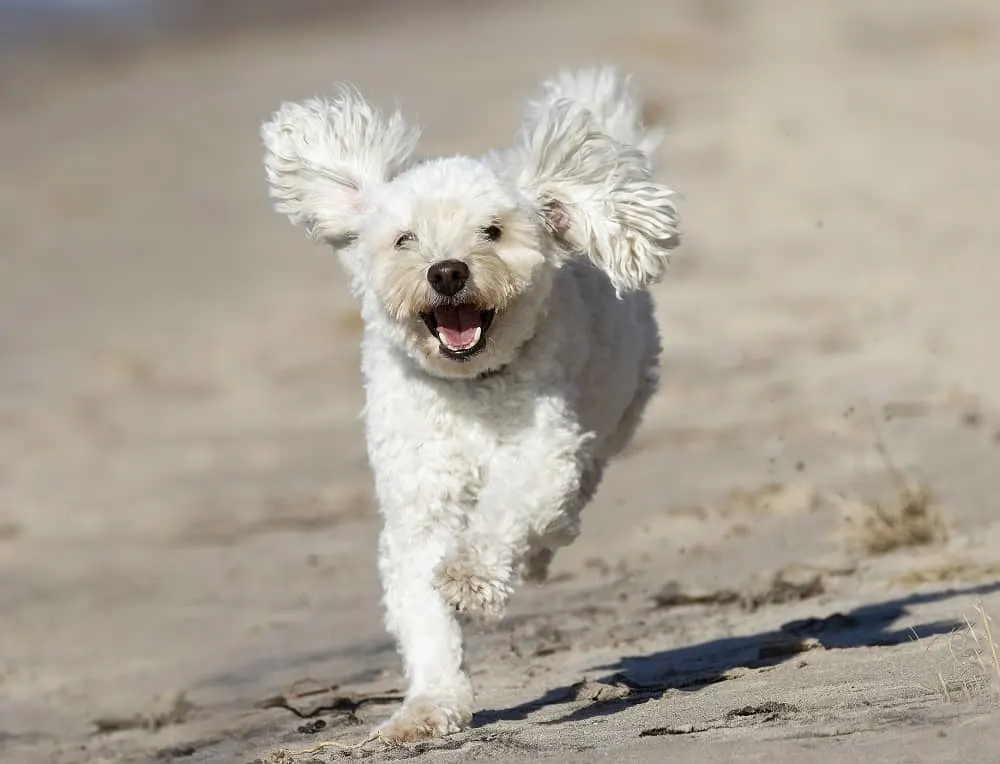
{"points": [[448, 277]]}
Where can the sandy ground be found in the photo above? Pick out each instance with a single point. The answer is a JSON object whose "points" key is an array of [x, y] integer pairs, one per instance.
{"points": [[186, 525]]}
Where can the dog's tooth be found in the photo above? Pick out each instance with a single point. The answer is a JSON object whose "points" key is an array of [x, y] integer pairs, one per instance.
{"points": [[479, 333]]}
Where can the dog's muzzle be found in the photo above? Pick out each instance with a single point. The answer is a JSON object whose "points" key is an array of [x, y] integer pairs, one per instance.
{"points": [[458, 325], [460, 329]]}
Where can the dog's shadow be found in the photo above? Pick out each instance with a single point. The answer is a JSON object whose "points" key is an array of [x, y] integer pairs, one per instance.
{"points": [[648, 677]]}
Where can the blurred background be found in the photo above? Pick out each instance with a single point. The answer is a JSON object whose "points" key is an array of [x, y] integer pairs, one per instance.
{"points": [[180, 453]]}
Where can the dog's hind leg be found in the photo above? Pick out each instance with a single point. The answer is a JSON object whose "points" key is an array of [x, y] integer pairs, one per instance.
{"points": [[543, 547]]}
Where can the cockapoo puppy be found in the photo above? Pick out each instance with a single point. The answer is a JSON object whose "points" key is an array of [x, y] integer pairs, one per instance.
{"points": [[509, 344]]}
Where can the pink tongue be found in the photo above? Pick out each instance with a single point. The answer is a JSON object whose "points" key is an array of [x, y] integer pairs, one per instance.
{"points": [[457, 326]]}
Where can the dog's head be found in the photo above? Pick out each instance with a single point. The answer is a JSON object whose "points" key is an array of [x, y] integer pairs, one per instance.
{"points": [[454, 258]]}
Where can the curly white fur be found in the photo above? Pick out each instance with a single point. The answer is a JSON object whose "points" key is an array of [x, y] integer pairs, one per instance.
{"points": [[484, 456]]}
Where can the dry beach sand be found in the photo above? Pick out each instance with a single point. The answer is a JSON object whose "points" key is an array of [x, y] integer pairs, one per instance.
{"points": [[785, 567]]}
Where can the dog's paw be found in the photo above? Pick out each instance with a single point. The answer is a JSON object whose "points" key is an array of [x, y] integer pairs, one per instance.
{"points": [[469, 585], [423, 718]]}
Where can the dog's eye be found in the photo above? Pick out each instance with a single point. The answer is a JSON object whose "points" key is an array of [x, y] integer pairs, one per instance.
{"points": [[405, 238], [493, 232]]}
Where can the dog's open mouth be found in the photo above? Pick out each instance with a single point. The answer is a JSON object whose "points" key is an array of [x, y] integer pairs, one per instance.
{"points": [[461, 329]]}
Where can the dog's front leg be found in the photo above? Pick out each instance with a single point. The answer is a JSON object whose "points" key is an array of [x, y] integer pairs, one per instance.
{"points": [[439, 695], [533, 490]]}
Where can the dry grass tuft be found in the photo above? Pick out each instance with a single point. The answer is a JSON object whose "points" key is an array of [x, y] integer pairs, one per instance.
{"points": [[974, 670], [987, 648], [877, 528], [910, 519], [959, 570], [164, 711]]}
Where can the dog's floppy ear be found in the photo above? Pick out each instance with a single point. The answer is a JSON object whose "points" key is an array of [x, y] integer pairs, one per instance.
{"points": [[609, 96], [324, 157], [596, 195]]}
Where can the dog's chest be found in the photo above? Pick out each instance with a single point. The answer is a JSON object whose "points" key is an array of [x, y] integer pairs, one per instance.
{"points": [[475, 417], [448, 427]]}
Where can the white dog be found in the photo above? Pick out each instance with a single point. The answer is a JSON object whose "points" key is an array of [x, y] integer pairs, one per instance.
{"points": [[509, 347]]}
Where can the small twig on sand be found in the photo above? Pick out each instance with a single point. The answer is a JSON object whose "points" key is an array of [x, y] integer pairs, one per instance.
{"points": [[330, 744]]}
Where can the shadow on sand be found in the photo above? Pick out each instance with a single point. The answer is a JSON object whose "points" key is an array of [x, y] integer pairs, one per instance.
{"points": [[648, 677]]}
